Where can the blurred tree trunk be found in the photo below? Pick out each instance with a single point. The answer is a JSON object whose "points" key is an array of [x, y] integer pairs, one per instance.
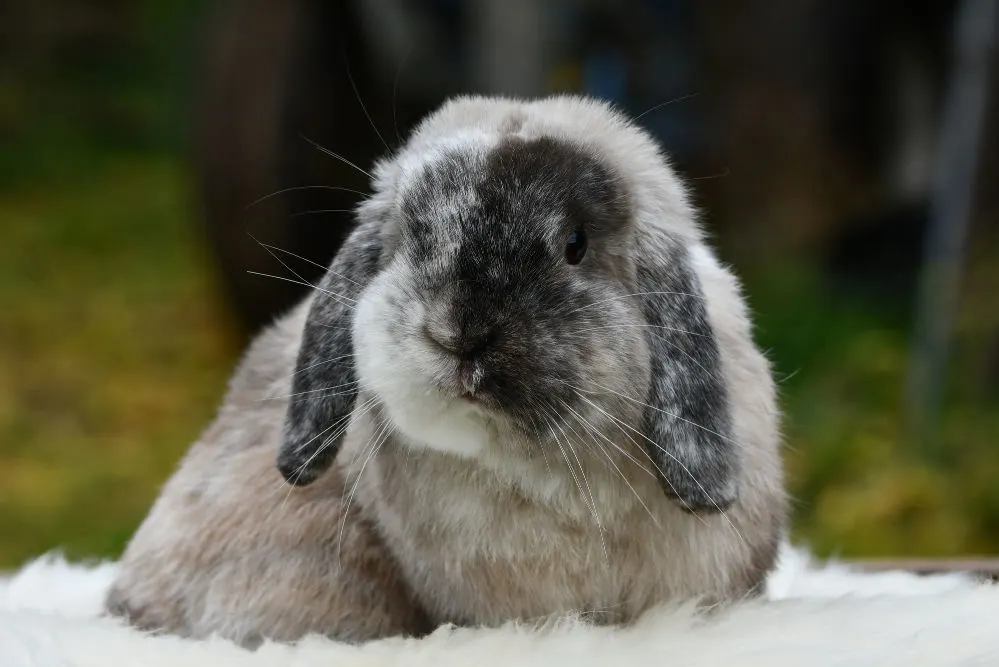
{"points": [[278, 76]]}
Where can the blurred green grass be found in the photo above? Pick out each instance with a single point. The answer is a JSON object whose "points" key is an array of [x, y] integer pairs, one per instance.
{"points": [[861, 485], [114, 352]]}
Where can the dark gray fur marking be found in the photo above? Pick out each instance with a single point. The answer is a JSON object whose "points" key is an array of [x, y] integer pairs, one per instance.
{"points": [[317, 419], [689, 417]]}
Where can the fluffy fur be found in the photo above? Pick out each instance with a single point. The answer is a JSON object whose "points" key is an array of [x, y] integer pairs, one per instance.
{"points": [[811, 617], [478, 428]]}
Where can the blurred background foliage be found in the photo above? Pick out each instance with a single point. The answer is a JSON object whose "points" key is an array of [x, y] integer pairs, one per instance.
{"points": [[117, 337]]}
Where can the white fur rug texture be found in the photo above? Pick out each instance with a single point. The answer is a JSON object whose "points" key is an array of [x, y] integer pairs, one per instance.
{"points": [[812, 614]]}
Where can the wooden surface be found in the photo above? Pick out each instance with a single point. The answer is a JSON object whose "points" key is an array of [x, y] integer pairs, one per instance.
{"points": [[985, 567]]}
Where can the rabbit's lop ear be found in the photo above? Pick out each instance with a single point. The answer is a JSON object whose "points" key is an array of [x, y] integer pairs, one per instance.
{"points": [[324, 386], [687, 419]]}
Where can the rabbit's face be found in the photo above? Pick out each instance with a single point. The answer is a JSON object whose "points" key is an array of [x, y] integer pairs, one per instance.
{"points": [[523, 274], [506, 303]]}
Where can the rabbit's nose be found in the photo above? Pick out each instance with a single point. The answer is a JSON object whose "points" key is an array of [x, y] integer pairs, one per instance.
{"points": [[467, 343]]}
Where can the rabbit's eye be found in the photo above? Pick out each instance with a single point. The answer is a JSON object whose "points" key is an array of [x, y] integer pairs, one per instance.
{"points": [[575, 247]]}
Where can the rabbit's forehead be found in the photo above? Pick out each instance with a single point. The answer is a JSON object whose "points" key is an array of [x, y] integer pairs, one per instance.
{"points": [[510, 185]]}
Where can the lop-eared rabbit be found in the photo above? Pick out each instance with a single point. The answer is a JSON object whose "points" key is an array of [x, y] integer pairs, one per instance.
{"points": [[524, 387]]}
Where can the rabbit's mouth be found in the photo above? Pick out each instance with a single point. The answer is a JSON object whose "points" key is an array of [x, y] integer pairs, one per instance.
{"points": [[471, 397], [467, 385]]}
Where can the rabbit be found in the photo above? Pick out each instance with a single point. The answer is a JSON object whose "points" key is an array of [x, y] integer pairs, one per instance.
{"points": [[525, 387]]}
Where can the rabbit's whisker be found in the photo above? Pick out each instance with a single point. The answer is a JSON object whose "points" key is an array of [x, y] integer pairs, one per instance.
{"points": [[306, 259], [616, 421], [280, 261], [627, 296], [665, 104], [395, 91], [268, 247], [665, 412], [336, 156], [683, 467], [642, 326], [341, 426], [284, 485], [586, 424], [313, 391], [321, 363], [369, 405], [621, 426], [357, 94], [536, 409], [378, 440], [304, 187], [544, 454], [298, 214], [593, 503], [339, 298]]}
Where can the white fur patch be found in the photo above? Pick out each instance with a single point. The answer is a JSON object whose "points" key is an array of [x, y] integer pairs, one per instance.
{"points": [[702, 259], [418, 155], [814, 615], [400, 374]]}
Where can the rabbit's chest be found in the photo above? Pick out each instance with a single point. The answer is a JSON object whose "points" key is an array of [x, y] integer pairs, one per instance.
{"points": [[512, 571], [477, 555]]}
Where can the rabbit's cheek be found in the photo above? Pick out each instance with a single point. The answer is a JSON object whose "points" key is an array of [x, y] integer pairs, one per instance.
{"points": [[395, 365]]}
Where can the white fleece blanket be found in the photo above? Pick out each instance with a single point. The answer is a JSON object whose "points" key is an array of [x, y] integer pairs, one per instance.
{"points": [[812, 614]]}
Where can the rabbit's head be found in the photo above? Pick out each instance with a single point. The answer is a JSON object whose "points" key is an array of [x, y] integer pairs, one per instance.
{"points": [[521, 263]]}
